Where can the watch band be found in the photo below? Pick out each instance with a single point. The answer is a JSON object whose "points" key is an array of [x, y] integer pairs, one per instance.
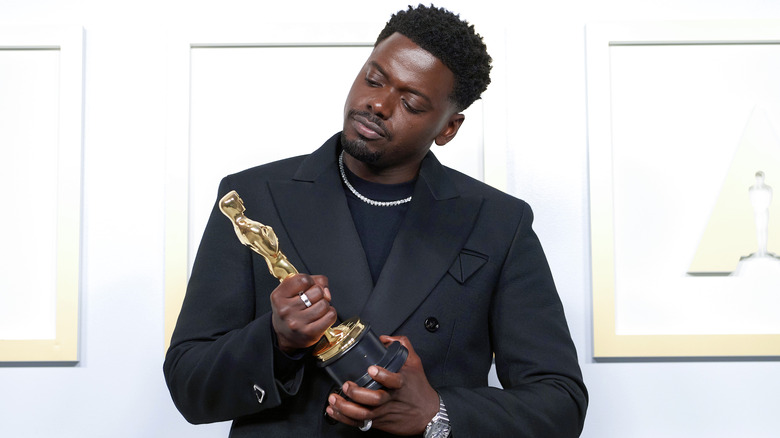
{"points": [[439, 426]]}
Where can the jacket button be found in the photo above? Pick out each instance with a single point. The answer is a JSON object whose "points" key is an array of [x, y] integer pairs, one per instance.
{"points": [[431, 324]]}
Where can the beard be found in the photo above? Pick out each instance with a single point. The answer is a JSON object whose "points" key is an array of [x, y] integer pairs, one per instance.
{"points": [[358, 149]]}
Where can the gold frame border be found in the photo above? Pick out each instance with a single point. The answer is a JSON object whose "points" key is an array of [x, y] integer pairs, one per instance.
{"points": [[69, 41], [600, 36]]}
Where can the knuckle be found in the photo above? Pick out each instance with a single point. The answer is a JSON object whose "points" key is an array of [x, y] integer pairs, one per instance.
{"points": [[306, 280], [316, 307], [297, 282], [285, 310], [324, 309], [314, 293], [312, 332], [306, 331]]}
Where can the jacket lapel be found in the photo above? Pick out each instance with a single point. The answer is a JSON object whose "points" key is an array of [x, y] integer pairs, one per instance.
{"points": [[320, 226], [323, 235], [436, 226]]}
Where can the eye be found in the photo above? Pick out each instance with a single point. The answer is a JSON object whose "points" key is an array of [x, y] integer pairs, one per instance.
{"points": [[409, 107], [373, 82]]}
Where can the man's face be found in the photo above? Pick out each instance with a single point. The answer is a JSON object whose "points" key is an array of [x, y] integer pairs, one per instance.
{"points": [[398, 105]]}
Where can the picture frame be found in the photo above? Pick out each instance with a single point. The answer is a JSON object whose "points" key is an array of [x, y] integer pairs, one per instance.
{"points": [[59, 181], [670, 107]]}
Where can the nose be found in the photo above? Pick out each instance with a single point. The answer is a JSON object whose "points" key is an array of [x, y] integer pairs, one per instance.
{"points": [[380, 103]]}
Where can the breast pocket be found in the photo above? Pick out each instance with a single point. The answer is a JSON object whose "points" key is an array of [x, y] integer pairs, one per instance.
{"points": [[466, 264]]}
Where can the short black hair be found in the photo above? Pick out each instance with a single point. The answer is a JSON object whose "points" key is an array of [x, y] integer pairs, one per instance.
{"points": [[453, 41]]}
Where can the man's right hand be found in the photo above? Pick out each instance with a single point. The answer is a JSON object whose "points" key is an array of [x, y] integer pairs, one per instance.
{"points": [[296, 325]]}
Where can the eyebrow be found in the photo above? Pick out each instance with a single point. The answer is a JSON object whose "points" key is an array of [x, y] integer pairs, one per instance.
{"points": [[414, 91]]}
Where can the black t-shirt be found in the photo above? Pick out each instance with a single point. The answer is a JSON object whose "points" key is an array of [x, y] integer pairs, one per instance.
{"points": [[377, 225]]}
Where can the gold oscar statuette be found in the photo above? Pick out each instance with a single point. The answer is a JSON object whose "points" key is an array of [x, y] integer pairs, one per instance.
{"points": [[352, 336]]}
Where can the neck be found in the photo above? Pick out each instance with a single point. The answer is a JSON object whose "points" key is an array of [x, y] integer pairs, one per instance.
{"points": [[381, 175]]}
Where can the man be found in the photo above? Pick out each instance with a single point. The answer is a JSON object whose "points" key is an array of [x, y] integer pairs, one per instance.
{"points": [[445, 264]]}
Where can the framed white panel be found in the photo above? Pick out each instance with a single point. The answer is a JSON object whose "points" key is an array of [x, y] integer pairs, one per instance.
{"points": [[681, 117], [237, 101], [253, 105], [41, 105]]}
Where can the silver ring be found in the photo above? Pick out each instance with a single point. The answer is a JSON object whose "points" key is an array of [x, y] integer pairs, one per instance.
{"points": [[305, 299], [366, 425]]}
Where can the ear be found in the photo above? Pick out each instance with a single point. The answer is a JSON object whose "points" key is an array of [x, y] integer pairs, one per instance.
{"points": [[449, 131]]}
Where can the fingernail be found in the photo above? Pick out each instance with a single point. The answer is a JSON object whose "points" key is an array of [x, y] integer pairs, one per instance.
{"points": [[332, 400], [372, 371], [344, 388], [329, 411]]}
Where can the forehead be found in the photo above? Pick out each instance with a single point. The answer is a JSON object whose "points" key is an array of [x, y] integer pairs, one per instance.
{"points": [[412, 66]]}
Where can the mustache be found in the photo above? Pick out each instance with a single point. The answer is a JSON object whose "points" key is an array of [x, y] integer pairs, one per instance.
{"points": [[372, 118]]}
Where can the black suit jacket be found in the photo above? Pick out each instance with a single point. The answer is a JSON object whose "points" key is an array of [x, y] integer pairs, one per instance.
{"points": [[465, 255]]}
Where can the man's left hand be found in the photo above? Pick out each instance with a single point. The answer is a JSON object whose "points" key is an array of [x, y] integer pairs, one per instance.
{"points": [[405, 405]]}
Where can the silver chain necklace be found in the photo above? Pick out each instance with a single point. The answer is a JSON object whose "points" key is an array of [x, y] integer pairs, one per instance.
{"points": [[363, 198]]}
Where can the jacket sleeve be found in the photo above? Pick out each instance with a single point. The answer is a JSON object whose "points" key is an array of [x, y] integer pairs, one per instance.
{"points": [[543, 392], [220, 364]]}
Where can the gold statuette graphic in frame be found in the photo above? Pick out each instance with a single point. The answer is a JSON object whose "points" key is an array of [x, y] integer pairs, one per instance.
{"points": [[352, 336]]}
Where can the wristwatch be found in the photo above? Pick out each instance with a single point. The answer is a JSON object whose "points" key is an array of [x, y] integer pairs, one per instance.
{"points": [[439, 427]]}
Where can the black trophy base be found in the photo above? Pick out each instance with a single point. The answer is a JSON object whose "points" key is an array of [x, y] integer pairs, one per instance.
{"points": [[367, 350]]}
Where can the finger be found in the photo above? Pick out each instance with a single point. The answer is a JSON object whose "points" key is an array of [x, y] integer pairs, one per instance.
{"points": [[412, 358], [286, 305], [338, 416], [313, 295], [298, 316], [387, 340], [291, 286], [314, 321], [322, 281], [386, 378], [311, 320], [347, 411], [293, 306], [364, 396]]}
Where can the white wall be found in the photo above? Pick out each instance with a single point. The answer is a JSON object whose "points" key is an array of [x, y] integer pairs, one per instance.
{"points": [[118, 384]]}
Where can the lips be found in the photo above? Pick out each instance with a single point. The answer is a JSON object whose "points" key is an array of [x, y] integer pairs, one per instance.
{"points": [[366, 127]]}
